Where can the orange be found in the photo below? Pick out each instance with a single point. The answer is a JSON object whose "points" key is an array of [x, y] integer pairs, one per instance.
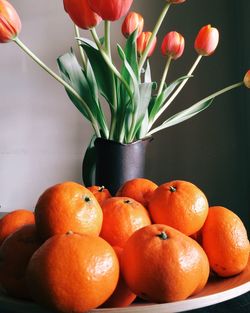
{"points": [[139, 189], [225, 241], [15, 253], [73, 273], [179, 204], [122, 296], [122, 216], [100, 192], [67, 207], [13, 220], [161, 264]]}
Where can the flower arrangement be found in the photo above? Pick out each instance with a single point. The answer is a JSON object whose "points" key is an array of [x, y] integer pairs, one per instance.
{"points": [[135, 101]]}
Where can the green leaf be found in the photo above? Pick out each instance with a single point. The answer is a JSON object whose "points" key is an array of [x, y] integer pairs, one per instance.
{"points": [[129, 111], [158, 102], [103, 74], [70, 72], [89, 164], [147, 75], [184, 115], [131, 53]]}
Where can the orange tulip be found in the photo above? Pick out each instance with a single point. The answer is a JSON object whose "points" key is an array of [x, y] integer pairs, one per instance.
{"points": [[142, 42], [132, 22], [247, 79], [81, 14], [110, 10], [206, 40], [173, 45], [10, 24]]}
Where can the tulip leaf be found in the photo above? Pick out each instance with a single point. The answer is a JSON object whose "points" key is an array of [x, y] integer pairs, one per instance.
{"points": [[184, 115], [158, 102], [84, 83], [135, 102], [103, 74], [147, 74], [131, 52]]}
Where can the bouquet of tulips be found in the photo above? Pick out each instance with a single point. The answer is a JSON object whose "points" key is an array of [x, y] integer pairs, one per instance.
{"points": [[134, 99]]}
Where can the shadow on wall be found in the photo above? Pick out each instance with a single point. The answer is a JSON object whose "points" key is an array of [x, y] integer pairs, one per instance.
{"points": [[212, 149]]}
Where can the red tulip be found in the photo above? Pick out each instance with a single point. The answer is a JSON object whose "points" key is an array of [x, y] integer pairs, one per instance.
{"points": [[81, 14], [176, 1], [10, 24], [142, 42], [247, 79], [132, 22], [206, 40], [173, 45], [110, 10]]}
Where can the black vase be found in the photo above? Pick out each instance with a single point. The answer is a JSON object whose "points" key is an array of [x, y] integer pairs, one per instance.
{"points": [[117, 163]]}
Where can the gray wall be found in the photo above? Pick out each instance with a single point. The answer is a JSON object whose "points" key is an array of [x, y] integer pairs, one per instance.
{"points": [[43, 137]]}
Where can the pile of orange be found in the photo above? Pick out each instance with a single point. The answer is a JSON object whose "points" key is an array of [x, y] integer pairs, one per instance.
{"points": [[82, 248]]}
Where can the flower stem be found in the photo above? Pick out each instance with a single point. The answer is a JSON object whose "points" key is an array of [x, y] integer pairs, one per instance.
{"points": [[174, 95], [107, 38], [154, 33], [210, 97], [77, 33], [61, 81], [164, 76]]}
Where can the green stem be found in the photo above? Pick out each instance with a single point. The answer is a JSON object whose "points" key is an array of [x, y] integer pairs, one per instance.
{"points": [[174, 95], [154, 33], [107, 38], [215, 94], [109, 62], [164, 76], [61, 81], [77, 33]]}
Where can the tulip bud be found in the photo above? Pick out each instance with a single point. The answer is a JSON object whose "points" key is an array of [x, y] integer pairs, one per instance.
{"points": [[247, 79], [206, 40], [142, 42], [175, 1], [81, 14], [10, 24], [110, 10], [173, 45], [132, 22]]}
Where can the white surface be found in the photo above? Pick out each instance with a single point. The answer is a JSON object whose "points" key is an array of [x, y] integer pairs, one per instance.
{"points": [[42, 135]]}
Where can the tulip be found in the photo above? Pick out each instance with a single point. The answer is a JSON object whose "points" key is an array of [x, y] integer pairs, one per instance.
{"points": [[142, 42], [132, 22], [247, 79], [110, 10], [81, 14], [10, 24], [173, 45], [206, 40], [175, 1]]}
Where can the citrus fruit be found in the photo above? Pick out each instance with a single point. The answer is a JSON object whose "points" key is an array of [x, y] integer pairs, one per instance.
{"points": [[225, 241], [122, 296], [100, 192], [65, 207], [15, 252], [122, 216], [13, 220], [161, 264], [73, 273], [139, 189], [179, 204]]}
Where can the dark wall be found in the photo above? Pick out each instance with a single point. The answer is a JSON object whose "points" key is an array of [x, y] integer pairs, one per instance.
{"points": [[211, 149]]}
